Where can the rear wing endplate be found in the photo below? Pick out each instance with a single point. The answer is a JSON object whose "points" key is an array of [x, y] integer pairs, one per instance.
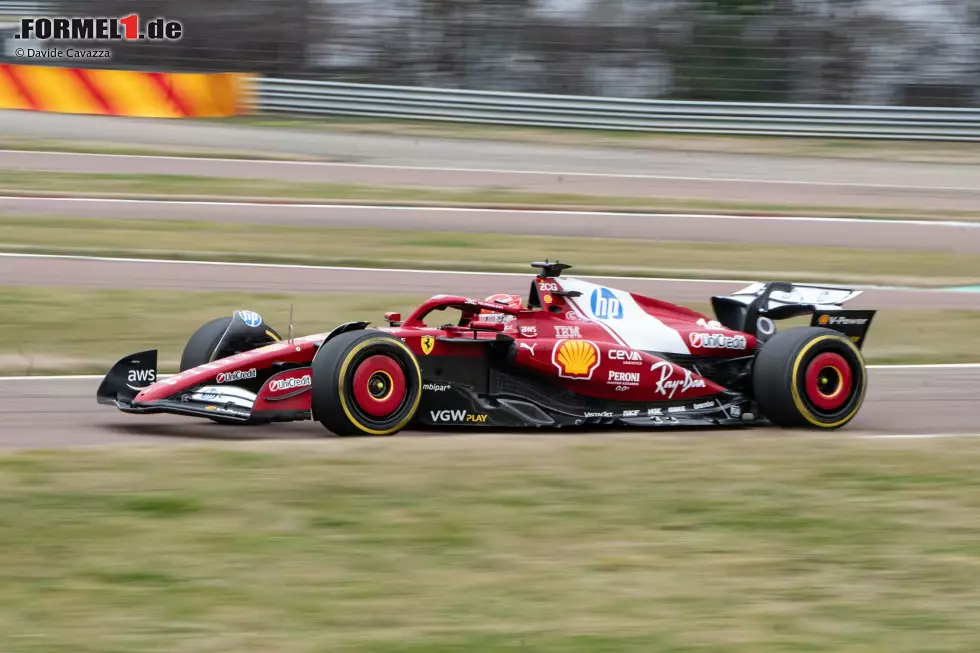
{"points": [[754, 309]]}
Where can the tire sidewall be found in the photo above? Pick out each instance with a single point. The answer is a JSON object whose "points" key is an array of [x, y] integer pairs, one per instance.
{"points": [[838, 344], [334, 365], [779, 374], [200, 346]]}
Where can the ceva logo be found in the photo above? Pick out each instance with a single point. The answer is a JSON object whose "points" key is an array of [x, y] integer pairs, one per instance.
{"points": [[605, 305]]}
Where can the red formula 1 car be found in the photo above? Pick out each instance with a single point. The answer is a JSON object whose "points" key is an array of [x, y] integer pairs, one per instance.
{"points": [[577, 354]]}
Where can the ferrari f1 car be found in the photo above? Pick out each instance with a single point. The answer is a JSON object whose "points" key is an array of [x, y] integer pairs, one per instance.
{"points": [[576, 354]]}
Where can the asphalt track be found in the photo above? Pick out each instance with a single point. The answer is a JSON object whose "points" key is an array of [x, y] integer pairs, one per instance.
{"points": [[49, 413], [950, 237], [96, 273], [425, 161], [902, 402]]}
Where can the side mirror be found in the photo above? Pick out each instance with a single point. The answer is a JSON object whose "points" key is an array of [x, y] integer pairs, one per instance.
{"points": [[394, 319], [490, 326]]}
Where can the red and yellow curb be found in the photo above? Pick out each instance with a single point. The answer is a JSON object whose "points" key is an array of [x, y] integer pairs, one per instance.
{"points": [[124, 92]]}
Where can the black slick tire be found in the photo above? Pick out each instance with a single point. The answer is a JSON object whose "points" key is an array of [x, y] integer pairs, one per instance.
{"points": [[809, 377], [200, 346], [365, 383]]}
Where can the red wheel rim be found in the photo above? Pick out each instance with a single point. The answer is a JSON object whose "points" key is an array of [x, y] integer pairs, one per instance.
{"points": [[829, 381], [379, 386]]}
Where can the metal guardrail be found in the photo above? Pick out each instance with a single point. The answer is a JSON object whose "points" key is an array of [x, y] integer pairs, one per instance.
{"points": [[24, 8], [531, 109]]}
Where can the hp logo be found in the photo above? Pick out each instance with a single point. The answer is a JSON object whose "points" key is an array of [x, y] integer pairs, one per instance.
{"points": [[605, 306], [250, 318]]}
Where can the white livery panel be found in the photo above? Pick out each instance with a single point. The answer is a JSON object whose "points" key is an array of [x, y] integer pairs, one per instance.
{"points": [[621, 316]]}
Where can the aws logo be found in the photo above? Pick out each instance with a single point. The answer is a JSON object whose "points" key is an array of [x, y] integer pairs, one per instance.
{"points": [[575, 359], [140, 377]]}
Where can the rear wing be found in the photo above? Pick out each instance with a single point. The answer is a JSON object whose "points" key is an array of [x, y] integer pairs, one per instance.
{"points": [[754, 309]]}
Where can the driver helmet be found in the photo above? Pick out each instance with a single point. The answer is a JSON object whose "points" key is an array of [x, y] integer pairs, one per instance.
{"points": [[487, 315]]}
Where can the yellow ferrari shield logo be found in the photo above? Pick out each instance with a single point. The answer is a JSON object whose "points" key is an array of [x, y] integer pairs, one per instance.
{"points": [[428, 342]]}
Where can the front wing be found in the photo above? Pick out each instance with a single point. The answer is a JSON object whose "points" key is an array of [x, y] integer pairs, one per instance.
{"points": [[228, 404]]}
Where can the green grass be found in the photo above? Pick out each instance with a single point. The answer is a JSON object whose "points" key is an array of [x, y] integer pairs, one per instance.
{"points": [[48, 330], [520, 543], [475, 251], [67, 330], [18, 182]]}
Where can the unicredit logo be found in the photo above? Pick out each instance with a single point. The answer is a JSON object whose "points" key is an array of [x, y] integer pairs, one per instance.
{"points": [[292, 383], [237, 375], [716, 341]]}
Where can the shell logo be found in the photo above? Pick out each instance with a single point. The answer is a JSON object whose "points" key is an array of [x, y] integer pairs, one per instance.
{"points": [[575, 359], [823, 319]]}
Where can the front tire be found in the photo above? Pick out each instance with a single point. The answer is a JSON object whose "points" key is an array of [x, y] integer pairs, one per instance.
{"points": [[365, 383], [200, 346], [200, 349], [809, 377]]}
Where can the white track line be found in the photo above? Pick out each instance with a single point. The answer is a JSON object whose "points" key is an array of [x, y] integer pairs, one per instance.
{"points": [[66, 377], [914, 436], [298, 266], [550, 173], [931, 366], [335, 268], [884, 222]]}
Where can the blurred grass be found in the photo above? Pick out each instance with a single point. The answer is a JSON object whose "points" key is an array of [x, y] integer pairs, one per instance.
{"points": [[68, 330], [60, 330], [448, 250], [102, 147], [19, 182], [496, 543], [883, 150]]}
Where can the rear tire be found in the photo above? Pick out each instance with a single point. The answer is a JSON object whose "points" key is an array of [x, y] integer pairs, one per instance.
{"points": [[200, 346], [809, 377], [365, 383]]}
